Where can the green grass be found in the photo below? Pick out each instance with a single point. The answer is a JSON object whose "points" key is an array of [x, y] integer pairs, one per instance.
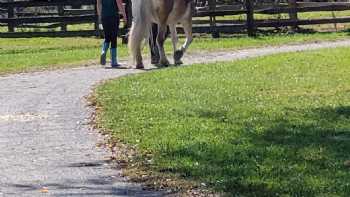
{"points": [[301, 15], [315, 15], [239, 42], [71, 27], [268, 126], [22, 55]]}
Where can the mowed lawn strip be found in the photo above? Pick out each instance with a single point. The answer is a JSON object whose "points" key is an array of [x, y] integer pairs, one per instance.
{"points": [[23, 55], [268, 126]]}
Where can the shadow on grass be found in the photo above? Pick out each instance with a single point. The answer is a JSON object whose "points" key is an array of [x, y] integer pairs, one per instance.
{"points": [[322, 126], [300, 154], [347, 31]]}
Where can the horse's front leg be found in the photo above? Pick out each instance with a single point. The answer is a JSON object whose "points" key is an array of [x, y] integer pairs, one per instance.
{"points": [[175, 40], [162, 29]]}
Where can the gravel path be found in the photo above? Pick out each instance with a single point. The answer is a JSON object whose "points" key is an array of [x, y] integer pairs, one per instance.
{"points": [[47, 147]]}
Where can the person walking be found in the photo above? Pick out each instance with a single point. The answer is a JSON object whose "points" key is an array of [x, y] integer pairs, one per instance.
{"points": [[108, 13]]}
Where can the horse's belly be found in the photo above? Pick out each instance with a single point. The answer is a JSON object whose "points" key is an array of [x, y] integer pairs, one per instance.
{"points": [[169, 11], [176, 15], [174, 18]]}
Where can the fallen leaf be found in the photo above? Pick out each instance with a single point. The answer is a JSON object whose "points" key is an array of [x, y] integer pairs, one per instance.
{"points": [[44, 190]]}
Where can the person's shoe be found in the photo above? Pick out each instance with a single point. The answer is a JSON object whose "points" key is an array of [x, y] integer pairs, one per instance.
{"points": [[114, 62], [105, 47], [116, 66]]}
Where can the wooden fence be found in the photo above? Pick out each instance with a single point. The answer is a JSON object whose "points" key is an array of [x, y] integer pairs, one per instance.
{"points": [[251, 22], [60, 15], [210, 16]]}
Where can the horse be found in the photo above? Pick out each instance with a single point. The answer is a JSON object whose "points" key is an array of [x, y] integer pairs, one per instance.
{"points": [[164, 13]]}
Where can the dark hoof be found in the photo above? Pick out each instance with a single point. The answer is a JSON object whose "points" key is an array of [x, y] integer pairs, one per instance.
{"points": [[178, 62], [164, 63], [178, 55], [159, 65], [140, 66], [154, 60]]}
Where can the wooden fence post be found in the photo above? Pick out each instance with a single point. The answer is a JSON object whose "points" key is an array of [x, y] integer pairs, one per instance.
{"points": [[61, 13], [96, 22], [213, 29], [76, 5], [293, 13], [11, 14], [249, 4]]}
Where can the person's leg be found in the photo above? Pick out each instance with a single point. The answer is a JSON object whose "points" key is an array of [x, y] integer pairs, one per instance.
{"points": [[114, 34], [106, 43]]}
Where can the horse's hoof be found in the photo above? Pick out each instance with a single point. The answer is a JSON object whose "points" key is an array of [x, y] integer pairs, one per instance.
{"points": [[154, 60], [165, 63], [178, 55], [140, 66], [178, 62]]}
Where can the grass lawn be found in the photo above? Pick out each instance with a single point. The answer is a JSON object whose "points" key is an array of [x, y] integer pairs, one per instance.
{"points": [[22, 55], [268, 126], [301, 15]]}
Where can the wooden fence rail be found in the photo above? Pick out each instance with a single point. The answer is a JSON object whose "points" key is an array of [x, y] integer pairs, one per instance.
{"points": [[27, 4], [207, 19], [60, 17], [251, 23]]}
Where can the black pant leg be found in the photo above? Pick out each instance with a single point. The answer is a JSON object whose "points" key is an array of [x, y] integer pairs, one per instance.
{"points": [[106, 29], [114, 31], [111, 28]]}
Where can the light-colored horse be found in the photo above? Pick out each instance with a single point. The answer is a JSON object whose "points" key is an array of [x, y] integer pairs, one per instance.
{"points": [[164, 13]]}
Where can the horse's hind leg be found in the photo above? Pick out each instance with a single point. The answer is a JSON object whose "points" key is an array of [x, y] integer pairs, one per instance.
{"points": [[188, 32], [139, 63], [162, 30], [135, 41], [187, 25], [174, 37]]}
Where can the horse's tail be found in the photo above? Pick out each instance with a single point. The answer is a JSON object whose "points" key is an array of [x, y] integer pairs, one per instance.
{"points": [[140, 26]]}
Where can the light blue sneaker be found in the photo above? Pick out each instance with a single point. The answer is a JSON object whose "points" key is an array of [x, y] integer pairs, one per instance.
{"points": [[105, 47], [114, 61]]}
